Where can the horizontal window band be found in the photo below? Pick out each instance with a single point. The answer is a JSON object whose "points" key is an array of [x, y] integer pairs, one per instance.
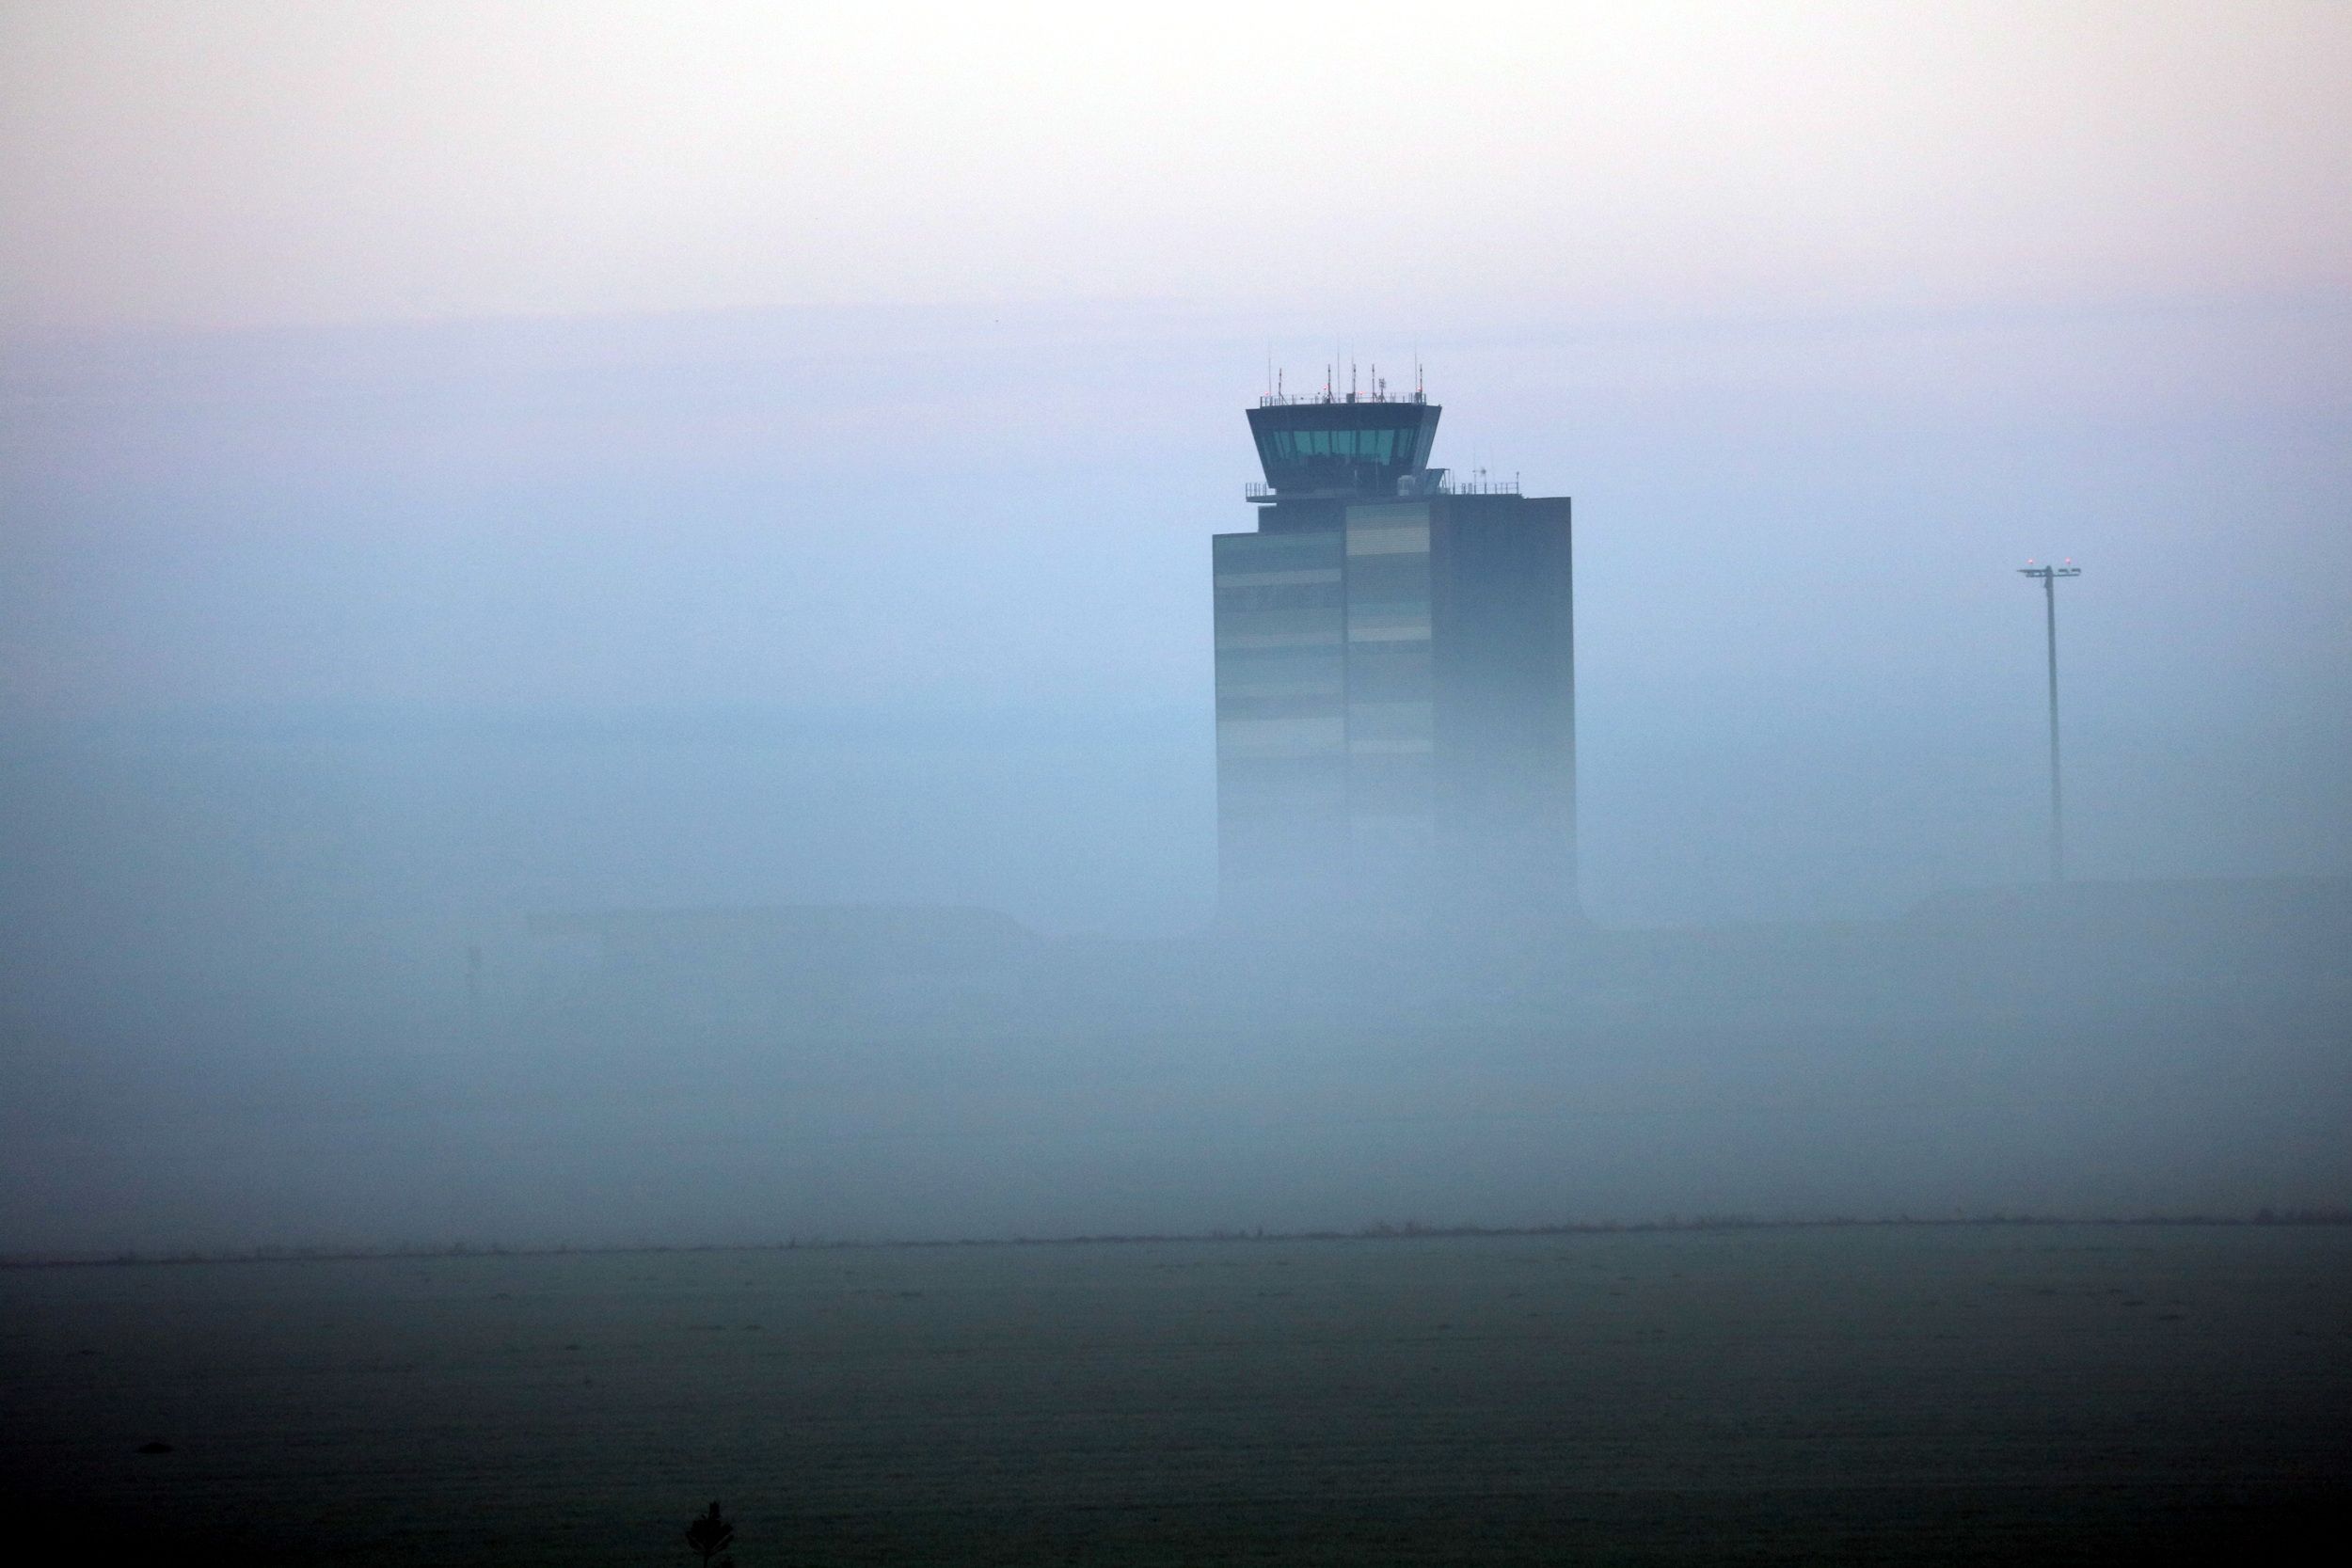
{"points": [[1388, 540], [1271, 674], [1278, 617], [1392, 714], [1277, 579], [1373, 680], [1281, 737], [1306, 596], [1281, 640], [1246, 704], [1401, 571], [1259, 552], [1274, 691]]}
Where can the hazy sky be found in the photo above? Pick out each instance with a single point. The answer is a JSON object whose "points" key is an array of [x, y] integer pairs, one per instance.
{"points": [[462, 462], [235, 164], [887, 365]]}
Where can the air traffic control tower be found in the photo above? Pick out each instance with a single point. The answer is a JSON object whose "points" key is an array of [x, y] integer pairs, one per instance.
{"points": [[1395, 681]]}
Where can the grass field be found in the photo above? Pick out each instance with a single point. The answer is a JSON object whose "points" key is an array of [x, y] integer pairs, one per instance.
{"points": [[1916, 1393]]}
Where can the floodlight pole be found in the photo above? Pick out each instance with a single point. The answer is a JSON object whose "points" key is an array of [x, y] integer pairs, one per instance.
{"points": [[2049, 576]]}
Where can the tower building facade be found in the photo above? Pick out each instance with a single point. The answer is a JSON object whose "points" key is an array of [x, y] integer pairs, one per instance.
{"points": [[1396, 680]]}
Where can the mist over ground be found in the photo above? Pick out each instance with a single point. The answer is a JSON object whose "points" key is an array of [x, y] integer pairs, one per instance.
{"points": [[610, 823], [334, 655]]}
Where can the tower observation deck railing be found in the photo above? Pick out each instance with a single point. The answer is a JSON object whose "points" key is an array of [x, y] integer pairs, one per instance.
{"points": [[1479, 483], [1378, 394]]}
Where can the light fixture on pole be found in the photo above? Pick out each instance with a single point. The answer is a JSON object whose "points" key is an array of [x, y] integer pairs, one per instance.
{"points": [[2049, 576]]}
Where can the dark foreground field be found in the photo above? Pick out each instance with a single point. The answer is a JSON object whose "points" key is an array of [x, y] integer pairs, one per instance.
{"points": [[2035, 1394]]}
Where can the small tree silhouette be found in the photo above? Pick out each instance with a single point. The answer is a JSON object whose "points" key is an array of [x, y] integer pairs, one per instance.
{"points": [[710, 1535]]}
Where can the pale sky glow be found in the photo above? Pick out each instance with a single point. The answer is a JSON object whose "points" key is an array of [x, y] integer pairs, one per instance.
{"points": [[240, 163], [563, 364], [462, 462]]}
